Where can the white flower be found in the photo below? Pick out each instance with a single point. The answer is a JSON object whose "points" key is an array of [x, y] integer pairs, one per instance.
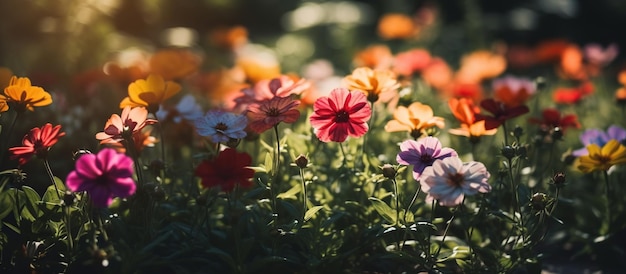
{"points": [[449, 180]]}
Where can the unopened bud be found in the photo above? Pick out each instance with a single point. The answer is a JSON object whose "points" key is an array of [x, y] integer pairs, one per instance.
{"points": [[389, 171], [302, 161], [539, 201], [559, 179], [509, 152]]}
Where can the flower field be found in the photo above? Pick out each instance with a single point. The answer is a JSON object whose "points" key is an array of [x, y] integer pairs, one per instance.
{"points": [[313, 137]]}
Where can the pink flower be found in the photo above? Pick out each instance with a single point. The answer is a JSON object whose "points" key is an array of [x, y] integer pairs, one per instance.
{"points": [[422, 154], [269, 113], [341, 114], [37, 143], [103, 176], [595, 54], [282, 86], [118, 128], [408, 62], [450, 180]]}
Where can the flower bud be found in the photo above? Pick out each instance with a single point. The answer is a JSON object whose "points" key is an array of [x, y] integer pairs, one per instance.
{"points": [[69, 198], [559, 179], [79, 153], [302, 161], [389, 171], [509, 152], [557, 133], [539, 201], [518, 131]]}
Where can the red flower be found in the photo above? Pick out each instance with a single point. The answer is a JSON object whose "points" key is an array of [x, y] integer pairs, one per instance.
{"points": [[500, 112], [37, 143], [227, 170], [572, 95], [341, 114], [552, 118], [267, 114]]}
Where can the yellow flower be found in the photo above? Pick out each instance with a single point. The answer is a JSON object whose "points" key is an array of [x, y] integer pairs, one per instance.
{"points": [[376, 84], [415, 119], [612, 153], [23, 96], [150, 93]]}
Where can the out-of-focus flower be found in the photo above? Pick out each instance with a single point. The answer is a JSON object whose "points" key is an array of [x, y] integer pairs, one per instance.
{"points": [[127, 66], [572, 66], [282, 86], [396, 26], [187, 109], [341, 114], [602, 158], [257, 62], [551, 50], [437, 74], [620, 94], [600, 138], [103, 176], [408, 62], [375, 84], [551, 118], [422, 153], [520, 56], [5, 77], [140, 140], [572, 95], [415, 119], [220, 86], [449, 180], [374, 57], [37, 143], [500, 113], [465, 111], [221, 126], [513, 91], [457, 89], [230, 38], [596, 55], [269, 113], [21, 95], [480, 65], [119, 128], [229, 169], [174, 63], [150, 93]]}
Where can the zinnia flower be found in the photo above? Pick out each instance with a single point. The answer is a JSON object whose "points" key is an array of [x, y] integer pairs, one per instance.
{"points": [[23, 96], [449, 180], [600, 138], [500, 112], [119, 128], [415, 119], [103, 176], [341, 114], [150, 93], [269, 113], [602, 158], [221, 126], [228, 169], [37, 143], [376, 84], [422, 153], [513, 91]]}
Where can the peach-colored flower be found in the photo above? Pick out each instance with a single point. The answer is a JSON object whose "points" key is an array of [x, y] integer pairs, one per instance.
{"points": [[150, 93], [174, 63], [257, 62], [374, 56], [396, 26], [269, 113], [437, 74], [282, 86], [415, 119], [465, 111], [119, 128], [230, 37], [480, 65], [408, 62], [141, 139], [376, 84], [572, 66]]}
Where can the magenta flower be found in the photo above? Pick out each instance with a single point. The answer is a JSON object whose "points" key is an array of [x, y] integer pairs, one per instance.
{"points": [[341, 114], [103, 176], [449, 180], [422, 153]]}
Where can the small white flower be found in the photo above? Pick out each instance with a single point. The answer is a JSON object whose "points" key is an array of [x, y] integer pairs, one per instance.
{"points": [[449, 180]]}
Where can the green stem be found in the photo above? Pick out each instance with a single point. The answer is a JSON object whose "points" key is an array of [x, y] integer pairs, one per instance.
{"points": [[407, 227], [276, 172], [607, 201], [445, 233], [51, 176], [397, 198], [304, 196]]}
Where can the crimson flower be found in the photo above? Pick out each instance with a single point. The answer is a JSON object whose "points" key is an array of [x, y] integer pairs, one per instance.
{"points": [[37, 143], [500, 112], [341, 114], [551, 118], [269, 113], [572, 95], [103, 176], [228, 169]]}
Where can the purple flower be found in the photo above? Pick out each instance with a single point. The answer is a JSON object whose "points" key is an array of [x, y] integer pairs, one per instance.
{"points": [[449, 180], [422, 154], [187, 109], [221, 126], [600, 138], [103, 176]]}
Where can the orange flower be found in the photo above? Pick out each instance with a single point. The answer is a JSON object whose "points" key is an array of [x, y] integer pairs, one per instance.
{"points": [[257, 63], [572, 66], [174, 63], [150, 93], [416, 119], [480, 65], [396, 26], [375, 56], [513, 91], [620, 94], [465, 111], [437, 74], [376, 84], [230, 38], [127, 66], [23, 96], [550, 50], [572, 95], [408, 62]]}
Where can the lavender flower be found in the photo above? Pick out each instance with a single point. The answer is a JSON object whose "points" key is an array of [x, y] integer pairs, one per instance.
{"points": [[449, 180], [600, 138], [422, 154], [221, 126]]}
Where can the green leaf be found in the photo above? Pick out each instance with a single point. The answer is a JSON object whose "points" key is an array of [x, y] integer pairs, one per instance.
{"points": [[384, 210], [12, 227], [6, 204], [291, 193], [311, 212], [269, 163], [32, 199]]}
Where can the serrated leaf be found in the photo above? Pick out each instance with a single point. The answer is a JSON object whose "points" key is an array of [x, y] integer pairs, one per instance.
{"points": [[384, 210], [311, 212]]}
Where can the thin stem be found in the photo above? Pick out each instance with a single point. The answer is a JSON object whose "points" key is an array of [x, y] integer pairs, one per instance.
{"points": [[304, 196], [407, 227], [506, 134], [49, 171], [275, 170], [68, 227], [343, 153], [445, 233], [397, 198], [162, 141], [516, 206], [607, 201]]}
